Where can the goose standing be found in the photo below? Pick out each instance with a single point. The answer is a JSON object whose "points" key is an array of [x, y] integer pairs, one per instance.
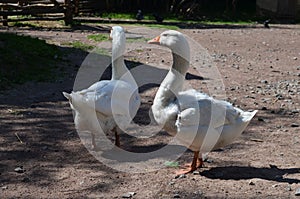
{"points": [[114, 101], [198, 121]]}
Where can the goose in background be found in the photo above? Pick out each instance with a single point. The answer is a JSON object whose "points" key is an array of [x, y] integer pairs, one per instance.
{"points": [[139, 15], [198, 121], [158, 17], [107, 105], [267, 23]]}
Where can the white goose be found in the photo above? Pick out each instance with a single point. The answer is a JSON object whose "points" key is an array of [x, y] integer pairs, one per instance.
{"points": [[114, 101], [198, 121]]}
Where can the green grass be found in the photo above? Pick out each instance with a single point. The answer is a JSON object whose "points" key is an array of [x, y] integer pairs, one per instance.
{"points": [[24, 24], [139, 39], [101, 51], [118, 15], [171, 164], [98, 37], [81, 46], [26, 59], [162, 26]]}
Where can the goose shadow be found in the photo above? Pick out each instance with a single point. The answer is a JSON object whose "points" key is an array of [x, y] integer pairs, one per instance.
{"points": [[148, 77], [246, 172], [144, 153]]}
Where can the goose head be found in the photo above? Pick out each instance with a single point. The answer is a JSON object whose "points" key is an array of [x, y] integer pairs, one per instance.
{"points": [[117, 35], [175, 41]]}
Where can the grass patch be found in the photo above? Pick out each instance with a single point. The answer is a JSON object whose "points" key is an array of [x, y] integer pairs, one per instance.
{"points": [[139, 39], [24, 24], [79, 45], [118, 15], [162, 26], [101, 51], [24, 58], [171, 164], [98, 37]]}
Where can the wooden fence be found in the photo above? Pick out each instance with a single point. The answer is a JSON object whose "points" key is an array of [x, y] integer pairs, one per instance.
{"points": [[24, 10], [36, 10]]}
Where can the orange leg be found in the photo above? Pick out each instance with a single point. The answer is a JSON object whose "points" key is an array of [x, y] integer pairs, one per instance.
{"points": [[197, 162], [94, 146]]}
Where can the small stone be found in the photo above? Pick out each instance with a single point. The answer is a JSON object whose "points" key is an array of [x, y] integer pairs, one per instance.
{"points": [[128, 195], [279, 97], [19, 169], [196, 172], [289, 188], [176, 195], [294, 125], [171, 183], [295, 111], [297, 192], [180, 176], [4, 187], [198, 193], [251, 182], [275, 185], [264, 81], [295, 58]]}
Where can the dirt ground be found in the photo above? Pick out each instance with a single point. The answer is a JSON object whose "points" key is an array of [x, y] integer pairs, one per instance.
{"points": [[260, 69]]}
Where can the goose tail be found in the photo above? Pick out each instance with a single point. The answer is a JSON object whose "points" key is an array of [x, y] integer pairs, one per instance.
{"points": [[247, 116]]}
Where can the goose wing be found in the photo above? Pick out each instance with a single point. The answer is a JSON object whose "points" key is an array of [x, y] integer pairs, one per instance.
{"points": [[198, 109], [112, 97]]}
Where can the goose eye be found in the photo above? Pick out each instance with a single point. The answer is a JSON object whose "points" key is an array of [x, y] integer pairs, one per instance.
{"points": [[164, 35]]}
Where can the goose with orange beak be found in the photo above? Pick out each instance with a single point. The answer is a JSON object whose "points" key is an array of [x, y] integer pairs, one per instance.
{"points": [[198, 121]]}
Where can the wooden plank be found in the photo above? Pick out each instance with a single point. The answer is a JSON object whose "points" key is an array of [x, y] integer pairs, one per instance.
{"points": [[35, 19], [17, 7], [25, 1], [32, 11]]}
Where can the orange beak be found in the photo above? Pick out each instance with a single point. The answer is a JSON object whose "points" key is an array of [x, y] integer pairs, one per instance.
{"points": [[155, 40]]}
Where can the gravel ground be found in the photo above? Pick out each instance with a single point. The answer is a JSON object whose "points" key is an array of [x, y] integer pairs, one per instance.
{"points": [[42, 156]]}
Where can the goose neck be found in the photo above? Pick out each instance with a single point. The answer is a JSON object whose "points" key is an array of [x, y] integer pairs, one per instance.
{"points": [[173, 82], [180, 64], [118, 68]]}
